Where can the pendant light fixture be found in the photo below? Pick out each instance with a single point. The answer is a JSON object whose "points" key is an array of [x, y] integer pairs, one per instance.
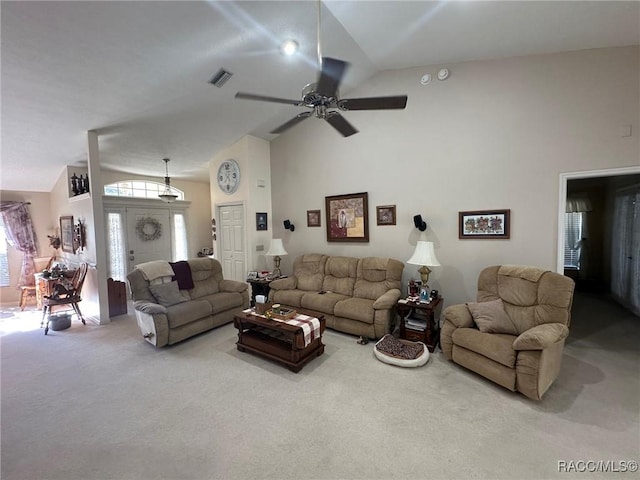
{"points": [[168, 195]]}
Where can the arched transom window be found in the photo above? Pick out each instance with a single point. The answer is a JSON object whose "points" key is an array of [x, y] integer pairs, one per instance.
{"points": [[139, 189]]}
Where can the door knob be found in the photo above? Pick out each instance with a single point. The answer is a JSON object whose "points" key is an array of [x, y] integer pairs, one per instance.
{"points": [[132, 258]]}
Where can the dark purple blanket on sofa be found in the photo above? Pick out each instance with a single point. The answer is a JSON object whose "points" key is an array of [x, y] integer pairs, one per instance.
{"points": [[182, 272]]}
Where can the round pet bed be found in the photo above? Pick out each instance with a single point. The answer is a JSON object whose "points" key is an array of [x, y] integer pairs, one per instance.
{"points": [[400, 346]]}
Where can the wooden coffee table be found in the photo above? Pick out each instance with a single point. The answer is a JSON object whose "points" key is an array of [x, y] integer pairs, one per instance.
{"points": [[277, 340]]}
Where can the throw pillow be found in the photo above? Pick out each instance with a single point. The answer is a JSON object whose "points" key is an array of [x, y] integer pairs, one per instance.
{"points": [[167, 294], [490, 317]]}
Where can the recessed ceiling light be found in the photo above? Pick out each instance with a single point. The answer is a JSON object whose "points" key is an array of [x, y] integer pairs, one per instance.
{"points": [[289, 47]]}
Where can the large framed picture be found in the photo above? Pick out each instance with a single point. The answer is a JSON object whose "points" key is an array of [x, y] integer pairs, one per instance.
{"points": [[484, 224], [386, 215], [66, 233], [347, 218], [313, 218]]}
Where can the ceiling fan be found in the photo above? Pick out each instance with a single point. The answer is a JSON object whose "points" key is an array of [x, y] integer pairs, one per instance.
{"points": [[322, 97]]}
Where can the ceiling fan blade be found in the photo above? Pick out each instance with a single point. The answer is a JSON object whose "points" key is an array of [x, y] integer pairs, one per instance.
{"points": [[294, 121], [263, 98], [340, 123], [373, 103], [331, 75]]}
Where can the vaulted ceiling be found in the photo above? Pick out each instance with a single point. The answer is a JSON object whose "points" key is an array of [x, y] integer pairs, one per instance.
{"points": [[138, 72]]}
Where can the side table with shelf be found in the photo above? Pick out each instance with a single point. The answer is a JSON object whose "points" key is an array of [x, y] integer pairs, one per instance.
{"points": [[259, 286], [421, 314]]}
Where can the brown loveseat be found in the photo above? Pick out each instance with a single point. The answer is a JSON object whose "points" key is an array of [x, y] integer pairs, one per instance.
{"points": [[514, 335], [210, 302], [356, 295]]}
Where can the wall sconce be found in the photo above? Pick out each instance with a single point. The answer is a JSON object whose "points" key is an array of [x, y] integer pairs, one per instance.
{"points": [[419, 223], [289, 226]]}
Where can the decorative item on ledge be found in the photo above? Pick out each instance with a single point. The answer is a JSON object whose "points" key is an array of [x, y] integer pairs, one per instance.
{"points": [[79, 185]]}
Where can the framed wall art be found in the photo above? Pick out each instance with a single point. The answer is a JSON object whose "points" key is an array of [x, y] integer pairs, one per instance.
{"points": [[386, 215], [261, 221], [484, 224], [313, 218], [347, 218], [66, 233]]}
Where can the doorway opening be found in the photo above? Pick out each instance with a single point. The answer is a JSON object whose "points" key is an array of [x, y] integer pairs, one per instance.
{"points": [[599, 233]]}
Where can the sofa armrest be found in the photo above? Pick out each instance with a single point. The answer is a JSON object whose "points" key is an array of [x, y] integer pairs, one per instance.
{"points": [[387, 300], [459, 316], [232, 286], [289, 283], [148, 307], [541, 336]]}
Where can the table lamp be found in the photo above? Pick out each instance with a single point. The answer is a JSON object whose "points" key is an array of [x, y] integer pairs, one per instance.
{"points": [[426, 257], [276, 250]]}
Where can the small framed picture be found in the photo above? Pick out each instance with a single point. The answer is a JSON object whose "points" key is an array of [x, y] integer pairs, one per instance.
{"points": [[484, 224], [386, 215], [313, 218], [252, 276], [66, 233], [261, 221]]}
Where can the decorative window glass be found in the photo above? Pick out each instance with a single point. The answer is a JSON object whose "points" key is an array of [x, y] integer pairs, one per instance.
{"points": [[180, 238], [139, 189], [115, 246]]}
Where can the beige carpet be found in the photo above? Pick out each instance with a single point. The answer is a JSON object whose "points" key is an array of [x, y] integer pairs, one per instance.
{"points": [[97, 402]]}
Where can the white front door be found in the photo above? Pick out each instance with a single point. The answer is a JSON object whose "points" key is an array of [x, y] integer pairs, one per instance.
{"points": [[145, 240], [232, 253]]}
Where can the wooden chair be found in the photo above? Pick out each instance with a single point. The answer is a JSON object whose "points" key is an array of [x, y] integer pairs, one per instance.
{"points": [[26, 291], [65, 294]]}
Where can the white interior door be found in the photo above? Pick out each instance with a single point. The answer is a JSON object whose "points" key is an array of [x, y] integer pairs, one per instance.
{"points": [[140, 247], [232, 239]]}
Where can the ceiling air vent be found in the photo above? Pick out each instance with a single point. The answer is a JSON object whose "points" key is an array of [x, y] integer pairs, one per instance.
{"points": [[220, 78]]}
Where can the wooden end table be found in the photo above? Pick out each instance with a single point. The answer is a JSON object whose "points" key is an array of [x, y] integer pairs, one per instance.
{"points": [[259, 286], [414, 316], [278, 341]]}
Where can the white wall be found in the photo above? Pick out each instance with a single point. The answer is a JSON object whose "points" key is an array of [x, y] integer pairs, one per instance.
{"points": [[253, 157], [495, 135]]}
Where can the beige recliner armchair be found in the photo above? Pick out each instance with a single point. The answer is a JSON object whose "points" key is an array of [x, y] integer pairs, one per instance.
{"points": [[514, 334]]}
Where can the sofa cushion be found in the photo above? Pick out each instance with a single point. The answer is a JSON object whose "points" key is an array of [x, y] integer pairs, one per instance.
{"points": [[360, 309], [491, 317], [496, 346], [206, 273], [167, 294], [324, 303], [377, 276], [292, 298], [309, 270], [223, 301], [340, 275], [187, 312]]}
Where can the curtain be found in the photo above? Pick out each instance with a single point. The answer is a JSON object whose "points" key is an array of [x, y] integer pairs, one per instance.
{"points": [[625, 254], [21, 236]]}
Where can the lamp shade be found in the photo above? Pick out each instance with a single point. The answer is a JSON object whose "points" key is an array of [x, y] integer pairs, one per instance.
{"points": [[424, 255], [276, 248]]}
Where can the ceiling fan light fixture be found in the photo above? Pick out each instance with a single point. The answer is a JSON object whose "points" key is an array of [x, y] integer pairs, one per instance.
{"points": [[289, 47], [167, 195]]}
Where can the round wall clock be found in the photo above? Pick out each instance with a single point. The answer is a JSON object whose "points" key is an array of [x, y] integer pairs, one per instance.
{"points": [[229, 176]]}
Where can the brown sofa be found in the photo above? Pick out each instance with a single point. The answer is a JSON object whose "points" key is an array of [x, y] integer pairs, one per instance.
{"points": [[211, 302], [514, 334], [359, 296]]}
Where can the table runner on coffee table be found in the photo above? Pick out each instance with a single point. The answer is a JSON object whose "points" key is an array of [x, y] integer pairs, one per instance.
{"points": [[310, 325]]}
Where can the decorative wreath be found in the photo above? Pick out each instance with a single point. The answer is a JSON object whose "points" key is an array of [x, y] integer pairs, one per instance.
{"points": [[148, 228]]}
